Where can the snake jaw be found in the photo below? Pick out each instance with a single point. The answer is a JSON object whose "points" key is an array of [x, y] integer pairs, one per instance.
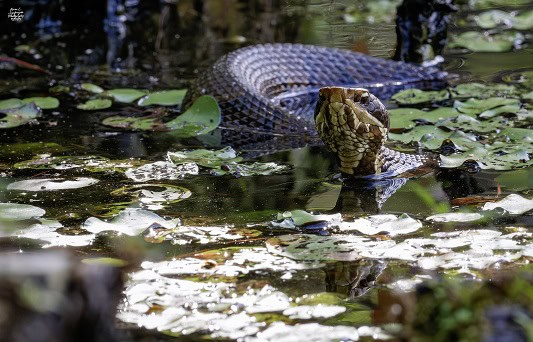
{"points": [[353, 124]]}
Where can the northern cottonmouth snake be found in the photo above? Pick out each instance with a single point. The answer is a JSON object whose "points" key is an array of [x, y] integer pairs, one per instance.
{"points": [[275, 87]]}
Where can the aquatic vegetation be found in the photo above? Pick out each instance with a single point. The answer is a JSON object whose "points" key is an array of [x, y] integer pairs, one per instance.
{"points": [[163, 98], [51, 184], [14, 117], [96, 104], [479, 42]]}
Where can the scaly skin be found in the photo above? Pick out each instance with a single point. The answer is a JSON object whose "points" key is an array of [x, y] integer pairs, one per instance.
{"points": [[354, 124]]}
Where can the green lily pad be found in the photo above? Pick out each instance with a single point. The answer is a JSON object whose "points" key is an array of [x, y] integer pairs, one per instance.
{"points": [[87, 163], [478, 106], [11, 103], [43, 102], [480, 90], [518, 134], [125, 95], [406, 117], [468, 123], [19, 212], [163, 98], [522, 78], [479, 42], [205, 158], [59, 89], [513, 204], [114, 262], [498, 156], [19, 116], [254, 169], [93, 88], [51, 184], [414, 96], [527, 96], [95, 104], [495, 18], [496, 3], [202, 117], [149, 123], [419, 132], [506, 109]]}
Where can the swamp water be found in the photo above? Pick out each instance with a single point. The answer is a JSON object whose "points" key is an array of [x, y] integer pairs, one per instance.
{"points": [[224, 244]]}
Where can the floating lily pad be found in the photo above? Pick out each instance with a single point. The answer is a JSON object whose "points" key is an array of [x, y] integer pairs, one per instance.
{"points": [[521, 78], [414, 96], [468, 123], [19, 116], [455, 217], [299, 218], [480, 90], [89, 163], [407, 117], [478, 106], [11, 103], [43, 102], [125, 95], [391, 225], [130, 221], [496, 157], [161, 171], [163, 98], [93, 88], [202, 117], [513, 204], [496, 3], [149, 123], [95, 104], [253, 169], [114, 262], [495, 18], [59, 89], [206, 158], [16, 212], [47, 230], [51, 184], [154, 196], [479, 42]]}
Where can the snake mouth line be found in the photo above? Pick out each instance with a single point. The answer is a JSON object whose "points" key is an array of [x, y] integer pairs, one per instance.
{"points": [[353, 124]]}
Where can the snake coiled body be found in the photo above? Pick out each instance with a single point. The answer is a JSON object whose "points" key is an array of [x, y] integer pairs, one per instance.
{"points": [[274, 88]]}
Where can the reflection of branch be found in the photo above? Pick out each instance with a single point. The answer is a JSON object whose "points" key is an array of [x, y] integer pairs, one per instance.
{"points": [[23, 64]]}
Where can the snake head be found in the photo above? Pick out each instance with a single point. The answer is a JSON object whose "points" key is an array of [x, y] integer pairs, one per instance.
{"points": [[353, 124]]}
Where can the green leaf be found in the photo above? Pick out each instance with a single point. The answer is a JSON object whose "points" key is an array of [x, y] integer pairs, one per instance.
{"points": [[114, 262], [19, 116], [137, 123], [479, 42], [480, 90], [414, 96], [19, 212], [11, 103], [163, 98], [206, 158], [93, 88], [202, 117], [522, 78], [495, 18], [43, 102], [125, 95], [507, 109], [96, 104], [478, 106], [406, 117]]}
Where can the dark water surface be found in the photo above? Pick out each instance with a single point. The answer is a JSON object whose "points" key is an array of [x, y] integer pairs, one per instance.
{"points": [[153, 46]]}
